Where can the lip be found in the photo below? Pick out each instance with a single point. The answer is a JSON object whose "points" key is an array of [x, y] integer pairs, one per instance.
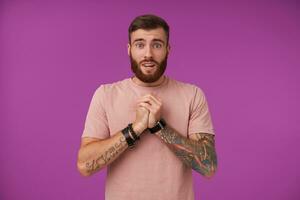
{"points": [[144, 63], [148, 70]]}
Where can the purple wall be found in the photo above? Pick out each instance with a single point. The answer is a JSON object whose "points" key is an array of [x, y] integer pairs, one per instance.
{"points": [[245, 56]]}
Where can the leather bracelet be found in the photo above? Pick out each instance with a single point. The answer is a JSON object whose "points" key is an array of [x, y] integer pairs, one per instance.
{"points": [[134, 135], [129, 140]]}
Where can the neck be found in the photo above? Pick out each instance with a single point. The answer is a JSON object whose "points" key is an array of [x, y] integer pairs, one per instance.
{"points": [[153, 84]]}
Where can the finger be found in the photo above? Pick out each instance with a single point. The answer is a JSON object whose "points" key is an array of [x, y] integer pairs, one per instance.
{"points": [[154, 106], [156, 99], [141, 107], [145, 105], [149, 95], [148, 99], [154, 95], [153, 99]]}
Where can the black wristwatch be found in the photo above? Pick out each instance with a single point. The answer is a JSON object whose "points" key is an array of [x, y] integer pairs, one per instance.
{"points": [[159, 126]]}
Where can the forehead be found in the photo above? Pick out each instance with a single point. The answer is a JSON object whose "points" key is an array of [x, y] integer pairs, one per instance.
{"points": [[149, 35]]}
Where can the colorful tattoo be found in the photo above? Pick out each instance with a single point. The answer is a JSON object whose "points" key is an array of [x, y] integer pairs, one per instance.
{"points": [[198, 154]]}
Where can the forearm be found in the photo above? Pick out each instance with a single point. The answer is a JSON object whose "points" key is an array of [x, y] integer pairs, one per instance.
{"points": [[199, 155], [98, 154]]}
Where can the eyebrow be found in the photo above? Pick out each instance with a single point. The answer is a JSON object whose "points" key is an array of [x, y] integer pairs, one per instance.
{"points": [[141, 39], [158, 40], [137, 40]]}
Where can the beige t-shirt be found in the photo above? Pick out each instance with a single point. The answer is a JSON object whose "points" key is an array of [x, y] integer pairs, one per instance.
{"points": [[151, 171]]}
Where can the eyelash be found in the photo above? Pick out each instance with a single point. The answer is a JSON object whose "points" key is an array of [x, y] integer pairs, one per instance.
{"points": [[139, 44], [158, 45]]}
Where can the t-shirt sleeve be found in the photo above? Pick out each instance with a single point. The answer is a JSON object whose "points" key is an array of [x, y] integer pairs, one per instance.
{"points": [[200, 118], [96, 124]]}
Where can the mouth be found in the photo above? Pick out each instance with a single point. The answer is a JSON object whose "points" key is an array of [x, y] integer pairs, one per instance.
{"points": [[148, 64], [148, 67]]}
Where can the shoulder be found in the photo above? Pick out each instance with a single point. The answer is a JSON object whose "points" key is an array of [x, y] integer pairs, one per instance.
{"points": [[105, 92], [189, 89], [108, 88]]}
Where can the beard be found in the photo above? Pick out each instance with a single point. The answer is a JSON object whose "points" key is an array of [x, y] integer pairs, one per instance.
{"points": [[136, 69]]}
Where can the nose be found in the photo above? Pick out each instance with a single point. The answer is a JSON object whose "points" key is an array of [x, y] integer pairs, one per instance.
{"points": [[148, 53]]}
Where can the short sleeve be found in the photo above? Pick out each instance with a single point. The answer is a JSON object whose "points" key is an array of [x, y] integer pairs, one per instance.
{"points": [[96, 124], [200, 118]]}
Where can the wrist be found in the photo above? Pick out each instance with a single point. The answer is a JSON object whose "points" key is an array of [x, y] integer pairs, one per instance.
{"points": [[152, 124], [130, 135], [138, 129], [161, 124]]}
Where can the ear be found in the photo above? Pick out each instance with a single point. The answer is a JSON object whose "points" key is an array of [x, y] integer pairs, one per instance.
{"points": [[169, 48], [128, 49]]}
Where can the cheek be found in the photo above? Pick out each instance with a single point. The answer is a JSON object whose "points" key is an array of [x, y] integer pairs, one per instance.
{"points": [[160, 55], [137, 55]]}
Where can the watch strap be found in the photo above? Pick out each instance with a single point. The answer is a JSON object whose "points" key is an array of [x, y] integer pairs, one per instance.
{"points": [[159, 126]]}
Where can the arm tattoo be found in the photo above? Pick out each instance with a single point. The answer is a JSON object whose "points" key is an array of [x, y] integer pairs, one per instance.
{"points": [[198, 154], [109, 154]]}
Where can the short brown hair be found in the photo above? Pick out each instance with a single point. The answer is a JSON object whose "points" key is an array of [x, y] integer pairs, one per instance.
{"points": [[148, 22]]}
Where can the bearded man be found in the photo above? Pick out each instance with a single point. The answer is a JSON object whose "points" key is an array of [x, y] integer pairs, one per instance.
{"points": [[149, 130]]}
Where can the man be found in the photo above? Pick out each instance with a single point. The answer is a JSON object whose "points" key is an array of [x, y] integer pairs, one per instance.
{"points": [[165, 123]]}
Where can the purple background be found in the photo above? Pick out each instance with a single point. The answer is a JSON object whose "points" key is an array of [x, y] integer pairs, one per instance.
{"points": [[244, 55]]}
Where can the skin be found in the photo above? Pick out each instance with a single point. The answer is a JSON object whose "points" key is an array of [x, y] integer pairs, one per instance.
{"points": [[197, 151], [94, 154], [145, 46]]}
